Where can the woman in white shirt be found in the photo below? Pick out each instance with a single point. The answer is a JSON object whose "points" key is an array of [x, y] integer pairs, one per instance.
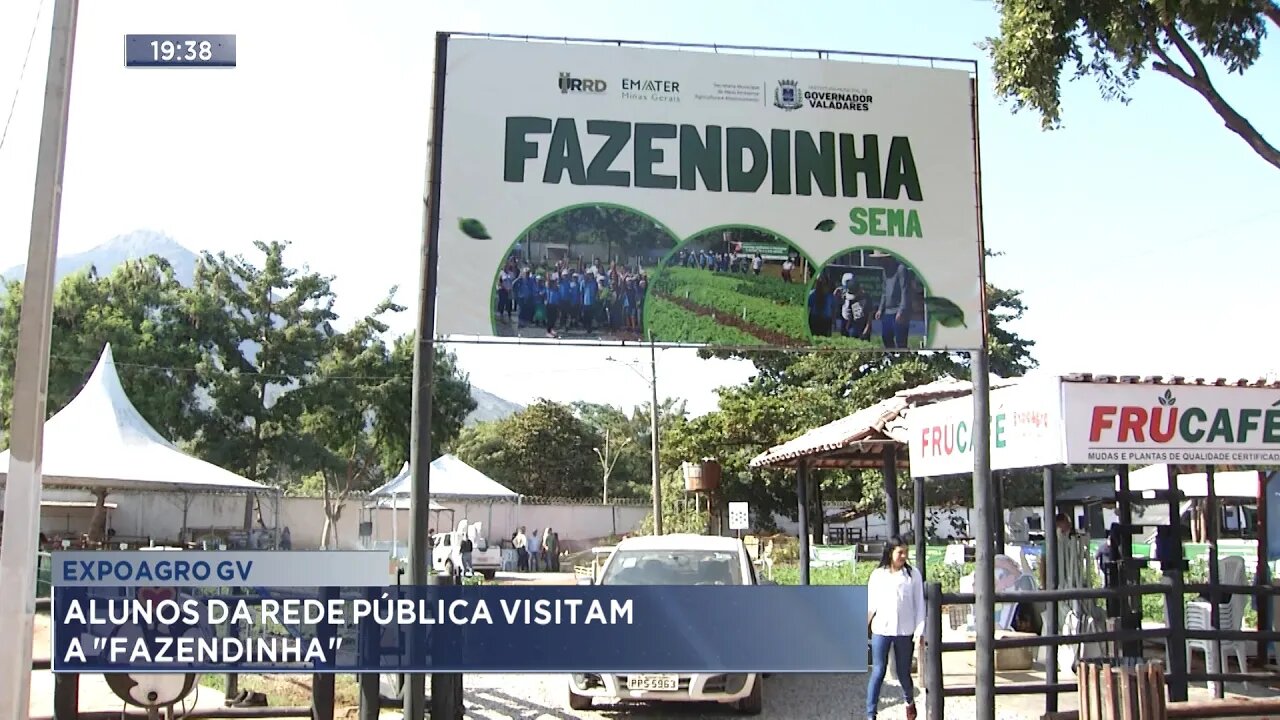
{"points": [[895, 613]]}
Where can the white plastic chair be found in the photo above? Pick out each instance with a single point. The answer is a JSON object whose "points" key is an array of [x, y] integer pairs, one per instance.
{"points": [[1199, 616]]}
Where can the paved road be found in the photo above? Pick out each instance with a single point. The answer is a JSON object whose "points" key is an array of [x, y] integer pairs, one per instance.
{"points": [[807, 697]]}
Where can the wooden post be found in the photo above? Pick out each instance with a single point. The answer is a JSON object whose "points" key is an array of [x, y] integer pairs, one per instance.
{"points": [[1115, 689]]}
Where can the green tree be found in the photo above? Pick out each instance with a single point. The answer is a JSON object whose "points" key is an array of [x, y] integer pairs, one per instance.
{"points": [[138, 309], [630, 435], [623, 450], [267, 330], [750, 419], [339, 441], [1115, 40], [543, 450], [451, 402]]}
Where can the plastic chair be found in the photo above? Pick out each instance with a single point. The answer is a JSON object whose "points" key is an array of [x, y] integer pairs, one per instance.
{"points": [[1199, 616]]}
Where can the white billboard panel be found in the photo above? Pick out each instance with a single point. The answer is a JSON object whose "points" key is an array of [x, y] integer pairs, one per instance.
{"points": [[604, 193]]}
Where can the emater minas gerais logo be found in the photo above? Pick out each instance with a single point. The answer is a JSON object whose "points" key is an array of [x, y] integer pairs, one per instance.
{"points": [[1166, 422]]}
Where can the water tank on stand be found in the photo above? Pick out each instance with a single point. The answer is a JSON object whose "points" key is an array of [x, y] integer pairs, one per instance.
{"points": [[703, 477]]}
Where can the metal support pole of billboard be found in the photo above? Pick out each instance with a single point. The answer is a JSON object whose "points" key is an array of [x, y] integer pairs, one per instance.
{"points": [[423, 381], [19, 545], [1050, 559], [802, 502], [918, 520], [653, 430], [984, 586]]}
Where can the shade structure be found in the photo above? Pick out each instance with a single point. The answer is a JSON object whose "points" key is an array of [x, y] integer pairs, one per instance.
{"points": [[450, 478], [100, 440], [860, 439], [401, 502]]}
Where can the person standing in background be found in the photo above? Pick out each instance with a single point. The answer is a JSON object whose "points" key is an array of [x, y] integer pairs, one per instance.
{"points": [[520, 543], [551, 548], [465, 548], [896, 615], [535, 552]]}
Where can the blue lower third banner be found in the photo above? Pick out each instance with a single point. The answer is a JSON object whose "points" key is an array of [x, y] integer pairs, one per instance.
{"points": [[483, 629]]}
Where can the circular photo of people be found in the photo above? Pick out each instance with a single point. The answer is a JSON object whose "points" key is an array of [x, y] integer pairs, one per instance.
{"points": [[581, 273], [732, 286], [868, 297]]}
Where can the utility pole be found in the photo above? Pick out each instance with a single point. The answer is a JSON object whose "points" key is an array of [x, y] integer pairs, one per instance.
{"points": [[20, 542], [652, 379], [653, 431]]}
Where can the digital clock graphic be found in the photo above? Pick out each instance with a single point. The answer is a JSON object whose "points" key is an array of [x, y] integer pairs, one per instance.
{"points": [[153, 51]]}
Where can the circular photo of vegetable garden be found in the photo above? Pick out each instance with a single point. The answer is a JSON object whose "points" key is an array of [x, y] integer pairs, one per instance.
{"points": [[581, 273], [868, 297], [732, 286]]}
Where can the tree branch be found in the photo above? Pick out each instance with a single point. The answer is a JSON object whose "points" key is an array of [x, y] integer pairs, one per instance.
{"points": [[1271, 10], [1198, 79]]}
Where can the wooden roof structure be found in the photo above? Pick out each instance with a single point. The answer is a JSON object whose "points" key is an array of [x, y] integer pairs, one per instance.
{"points": [[860, 440]]}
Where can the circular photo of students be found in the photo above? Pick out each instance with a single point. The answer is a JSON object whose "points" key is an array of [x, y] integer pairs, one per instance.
{"points": [[868, 297], [582, 273], [734, 286]]}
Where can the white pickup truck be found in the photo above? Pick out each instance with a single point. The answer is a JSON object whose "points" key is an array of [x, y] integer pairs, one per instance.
{"points": [[447, 558]]}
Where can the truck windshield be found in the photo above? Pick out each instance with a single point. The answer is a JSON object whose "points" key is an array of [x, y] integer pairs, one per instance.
{"points": [[673, 567]]}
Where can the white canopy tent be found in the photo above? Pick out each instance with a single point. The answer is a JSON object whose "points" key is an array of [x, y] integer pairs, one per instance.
{"points": [[451, 479], [100, 441]]}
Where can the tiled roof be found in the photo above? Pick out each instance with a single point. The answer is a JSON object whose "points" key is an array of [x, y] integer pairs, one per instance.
{"points": [[867, 430], [1170, 380]]}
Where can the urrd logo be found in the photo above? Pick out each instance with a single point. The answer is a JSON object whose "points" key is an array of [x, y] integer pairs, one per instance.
{"points": [[569, 84]]}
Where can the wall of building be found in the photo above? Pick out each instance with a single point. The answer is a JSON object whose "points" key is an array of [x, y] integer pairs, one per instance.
{"points": [[160, 516]]}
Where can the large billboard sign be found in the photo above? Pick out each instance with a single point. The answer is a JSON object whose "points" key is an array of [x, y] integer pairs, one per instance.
{"points": [[605, 193], [1120, 423], [1026, 431]]}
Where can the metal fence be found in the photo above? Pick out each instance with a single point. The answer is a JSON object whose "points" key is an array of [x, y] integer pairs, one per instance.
{"points": [[1175, 636]]}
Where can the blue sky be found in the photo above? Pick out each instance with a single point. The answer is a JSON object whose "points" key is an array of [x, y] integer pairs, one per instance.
{"points": [[1143, 236]]}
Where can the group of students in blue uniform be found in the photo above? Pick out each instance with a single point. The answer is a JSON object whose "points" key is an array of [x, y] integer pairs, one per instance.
{"points": [[572, 296]]}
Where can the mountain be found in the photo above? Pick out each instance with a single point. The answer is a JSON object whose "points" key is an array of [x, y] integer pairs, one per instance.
{"points": [[490, 407], [143, 243], [130, 246]]}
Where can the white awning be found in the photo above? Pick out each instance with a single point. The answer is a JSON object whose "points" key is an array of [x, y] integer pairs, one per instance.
{"points": [[450, 478], [100, 440]]}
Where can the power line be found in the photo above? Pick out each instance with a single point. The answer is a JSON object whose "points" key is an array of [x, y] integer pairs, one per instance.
{"points": [[13, 104], [274, 376]]}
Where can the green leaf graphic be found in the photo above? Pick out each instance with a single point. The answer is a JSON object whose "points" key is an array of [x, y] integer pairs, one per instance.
{"points": [[825, 226], [474, 229], [1168, 398], [947, 313]]}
